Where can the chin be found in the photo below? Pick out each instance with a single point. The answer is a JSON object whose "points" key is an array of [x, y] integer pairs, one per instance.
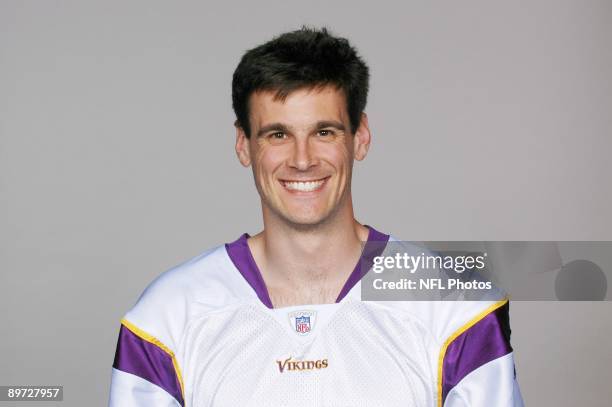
{"points": [[306, 219], [302, 215], [303, 219]]}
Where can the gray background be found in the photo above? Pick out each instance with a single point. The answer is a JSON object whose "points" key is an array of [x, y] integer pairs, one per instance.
{"points": [[491, 121]]}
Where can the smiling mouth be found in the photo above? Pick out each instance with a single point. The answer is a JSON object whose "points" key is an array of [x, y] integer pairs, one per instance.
{"points": [[304, 186]]}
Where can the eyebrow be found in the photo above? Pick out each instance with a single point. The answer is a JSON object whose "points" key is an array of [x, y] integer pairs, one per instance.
{"points": [[330, 123], [322, 124], [272, 127]]}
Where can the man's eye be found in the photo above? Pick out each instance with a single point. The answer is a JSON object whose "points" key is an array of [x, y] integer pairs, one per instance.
{"points": [[325, 133], [279, 135]]}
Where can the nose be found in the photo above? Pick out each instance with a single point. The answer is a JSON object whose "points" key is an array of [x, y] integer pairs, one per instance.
{"points": [[303, 156]]}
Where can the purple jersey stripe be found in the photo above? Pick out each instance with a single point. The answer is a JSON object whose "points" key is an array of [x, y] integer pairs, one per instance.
{"points": [[485, 341], [142, 358], [241, 256], [373, 247]]}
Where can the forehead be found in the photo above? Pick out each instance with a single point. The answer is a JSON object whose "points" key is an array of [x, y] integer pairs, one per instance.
{"points": [[302, 106]]}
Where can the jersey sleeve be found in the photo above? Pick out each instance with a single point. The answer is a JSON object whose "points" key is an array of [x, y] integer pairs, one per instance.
{"points": [[493, 384], [145, 371], [151, 362], [147, 366], [476, 366]]}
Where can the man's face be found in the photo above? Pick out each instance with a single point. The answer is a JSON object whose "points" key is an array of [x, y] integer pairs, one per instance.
{"points": [[302, 150]]}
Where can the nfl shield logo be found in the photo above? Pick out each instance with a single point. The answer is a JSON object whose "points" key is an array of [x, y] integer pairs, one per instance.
{"points": [[302, 324]]}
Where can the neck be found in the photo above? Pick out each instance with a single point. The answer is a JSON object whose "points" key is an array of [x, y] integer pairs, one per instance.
{"points": [[308, 265]]}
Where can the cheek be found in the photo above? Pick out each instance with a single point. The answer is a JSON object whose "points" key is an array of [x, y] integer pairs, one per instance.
{"points": [[266, 161], [340, 155]]}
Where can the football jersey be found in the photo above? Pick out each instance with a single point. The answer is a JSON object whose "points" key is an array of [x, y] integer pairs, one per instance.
{"points": [[205, 334]]}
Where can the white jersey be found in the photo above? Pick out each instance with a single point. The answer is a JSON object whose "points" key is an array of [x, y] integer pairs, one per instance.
{"points": [[205, 334]]}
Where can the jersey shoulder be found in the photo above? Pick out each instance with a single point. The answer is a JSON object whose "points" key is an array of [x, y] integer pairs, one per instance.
{"points": [[204, 283], [473, 357], [447, 312], [148, 358]]}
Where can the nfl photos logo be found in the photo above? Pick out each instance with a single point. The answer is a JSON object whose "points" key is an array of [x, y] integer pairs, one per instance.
{"points": [[302, 322]]}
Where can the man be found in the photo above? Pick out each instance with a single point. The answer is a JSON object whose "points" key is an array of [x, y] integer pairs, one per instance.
{"points": [[276, 319]]}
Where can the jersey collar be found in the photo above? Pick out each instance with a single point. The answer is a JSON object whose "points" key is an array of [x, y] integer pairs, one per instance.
{"points": [[240, 254]]}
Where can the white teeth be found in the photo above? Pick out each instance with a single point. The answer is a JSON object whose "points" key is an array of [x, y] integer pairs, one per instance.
{"points": [[304, 186]]}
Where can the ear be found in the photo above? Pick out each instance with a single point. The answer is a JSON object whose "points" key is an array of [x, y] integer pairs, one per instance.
{"points": [[242, 146], [362, 138]]}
